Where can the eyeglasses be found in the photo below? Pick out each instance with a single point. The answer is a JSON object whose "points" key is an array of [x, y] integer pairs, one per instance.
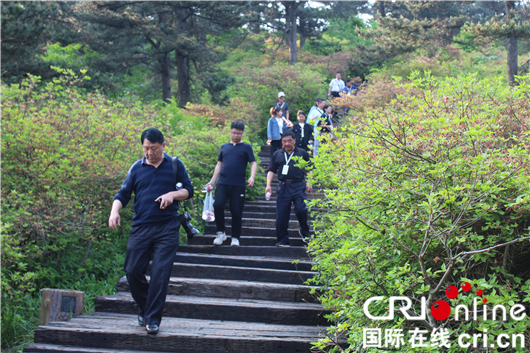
{"points": [[236, 133]]}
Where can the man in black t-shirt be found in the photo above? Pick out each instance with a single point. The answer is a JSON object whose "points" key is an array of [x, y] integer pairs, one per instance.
{"points": [[231, 169], [292, 188]]}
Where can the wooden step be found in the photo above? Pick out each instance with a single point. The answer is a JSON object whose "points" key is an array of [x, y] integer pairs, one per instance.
{"points": [[249, 240], [239, 273], [246, 261], [51, 348], [263, 215], [206, 308], [205, 287], [121, 332], [253, 231], [295, 252], [262, 223]]}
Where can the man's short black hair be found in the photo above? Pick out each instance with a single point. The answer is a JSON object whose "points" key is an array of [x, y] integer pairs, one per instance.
{"points": [[289, 133], [238, 125], [348, 80], [338, 72], [152, 135]]}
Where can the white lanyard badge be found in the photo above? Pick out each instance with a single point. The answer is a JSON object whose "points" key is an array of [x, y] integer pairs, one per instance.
{"points": [[285, 169]]}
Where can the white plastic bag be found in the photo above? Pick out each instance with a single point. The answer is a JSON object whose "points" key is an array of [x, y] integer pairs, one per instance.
{"points": [[207, 211]]}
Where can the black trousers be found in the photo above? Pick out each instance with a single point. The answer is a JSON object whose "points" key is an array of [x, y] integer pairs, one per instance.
{"points": [[163, 242], [335, 94], [275, 145], [285, 195], [236, 194]]}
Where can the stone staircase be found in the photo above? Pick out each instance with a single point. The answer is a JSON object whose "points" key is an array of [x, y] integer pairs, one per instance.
{"points": [[246, 299]]}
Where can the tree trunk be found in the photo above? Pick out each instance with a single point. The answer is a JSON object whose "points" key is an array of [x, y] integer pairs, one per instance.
{"points": [[302, 40], [183, 64], [512, 48], [381, 8], [290, 17], [163, 64], [165, 72], [183, 77], [294, 49]]}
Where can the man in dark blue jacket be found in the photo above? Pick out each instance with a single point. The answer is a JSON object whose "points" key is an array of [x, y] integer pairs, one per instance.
{"points": [[155, 226]]}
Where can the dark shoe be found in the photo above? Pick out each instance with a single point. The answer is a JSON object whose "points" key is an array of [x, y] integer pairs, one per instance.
{"points": [[152, 329], [141, 320], [283, 244]]}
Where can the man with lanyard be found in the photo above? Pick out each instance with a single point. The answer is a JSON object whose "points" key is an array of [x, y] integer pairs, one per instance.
{"points": [[316, 111], [349, 89], [155, 225], [291, 189], [231, 169], [284, 106]]}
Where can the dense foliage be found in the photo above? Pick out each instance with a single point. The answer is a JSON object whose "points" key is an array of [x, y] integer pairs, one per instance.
{"points": [[428, 190], [68, 141], [65, 155]]}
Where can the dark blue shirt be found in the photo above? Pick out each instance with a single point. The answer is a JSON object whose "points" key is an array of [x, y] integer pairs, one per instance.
{"points": [[235, 159], [148, 183]]}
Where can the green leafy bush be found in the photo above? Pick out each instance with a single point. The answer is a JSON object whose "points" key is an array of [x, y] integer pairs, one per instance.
{"points": [[428, 190], [65, 154]]}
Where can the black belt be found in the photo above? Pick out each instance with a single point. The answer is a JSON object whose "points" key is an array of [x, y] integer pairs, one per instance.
{"points": [[291, 181]]}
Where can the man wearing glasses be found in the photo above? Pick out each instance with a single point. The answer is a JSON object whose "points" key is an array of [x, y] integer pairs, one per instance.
{"points": [[231, 169]]}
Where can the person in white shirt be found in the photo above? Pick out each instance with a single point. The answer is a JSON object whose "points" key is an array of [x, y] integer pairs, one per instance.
{"points": [[335, 86], [316, 111], [313, 118]]}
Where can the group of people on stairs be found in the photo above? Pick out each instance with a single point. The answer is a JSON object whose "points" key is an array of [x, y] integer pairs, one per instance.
{"points": [[159, 181]]}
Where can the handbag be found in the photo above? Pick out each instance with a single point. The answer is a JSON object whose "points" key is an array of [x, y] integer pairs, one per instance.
{"points": [[207, 211]]}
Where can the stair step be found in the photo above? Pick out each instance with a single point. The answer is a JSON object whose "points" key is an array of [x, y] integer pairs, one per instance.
{"points": [[236, 289], [253, 231], [280, 263], [245, 261], [260, 215], [289, 252], [50, 348], [239, 273], [262, 223], [207, 239], [121, 332], [206, 308]]}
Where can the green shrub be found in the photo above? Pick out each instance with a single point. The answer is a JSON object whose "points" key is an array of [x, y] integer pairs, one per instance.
{"points": [[65, 154], [424, 192]]}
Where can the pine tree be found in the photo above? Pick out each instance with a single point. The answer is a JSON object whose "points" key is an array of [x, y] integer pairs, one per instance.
{"points": [[513, 26], [27, 27], [160, 34]]}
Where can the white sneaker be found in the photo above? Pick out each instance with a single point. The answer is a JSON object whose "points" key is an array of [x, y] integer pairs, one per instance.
{"points": [[220, 238], [235, 242]]}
